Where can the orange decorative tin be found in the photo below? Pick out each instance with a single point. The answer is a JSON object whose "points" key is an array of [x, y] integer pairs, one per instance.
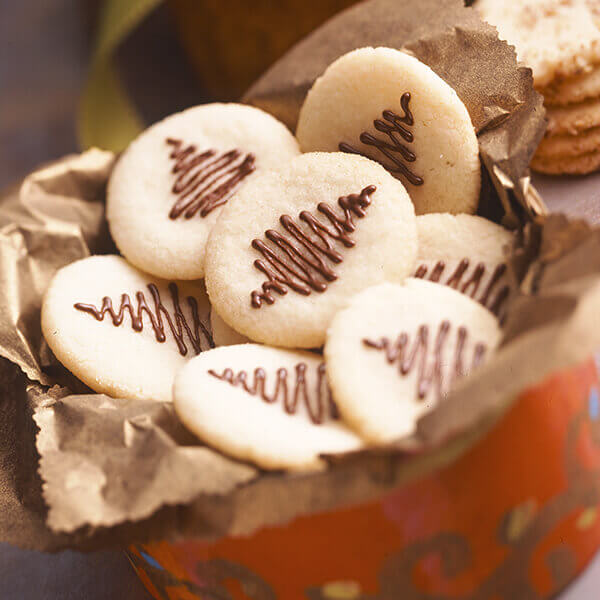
{"points": [[516, 517]]}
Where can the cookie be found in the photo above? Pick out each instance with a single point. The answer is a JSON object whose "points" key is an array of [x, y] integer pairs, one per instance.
{"points": [[466, 253], [392, 108], [567, 165], [265, 405], [594, 7], [396, 351], [556, 38], [574, 89], [169, 186], [122, 332], [574, 118], [295, 243], [223, 335], [564, 145]]}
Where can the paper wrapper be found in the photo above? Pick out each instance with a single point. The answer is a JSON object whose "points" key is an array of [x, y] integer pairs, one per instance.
{"points": [[113, 471]]}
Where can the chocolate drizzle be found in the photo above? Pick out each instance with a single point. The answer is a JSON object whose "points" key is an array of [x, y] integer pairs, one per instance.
{"points": [[178, 324], [292, 260], [205, 180], [408, 357], [393, 125], [471, 283], [319, 408]]}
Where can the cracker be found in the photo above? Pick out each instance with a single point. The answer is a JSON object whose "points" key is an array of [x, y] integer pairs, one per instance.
{"points": [[574, 89], [566, 145], [265, 405], [466, 253], [121, 331], [397, 350], [296, 243], [169, 187], [574, 118], [567, 165], [556, 38]]}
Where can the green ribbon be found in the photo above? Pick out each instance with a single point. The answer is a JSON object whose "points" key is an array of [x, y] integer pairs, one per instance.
{"points": [[107, 118]]}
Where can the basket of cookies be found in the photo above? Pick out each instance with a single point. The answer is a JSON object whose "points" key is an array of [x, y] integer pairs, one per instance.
{"points": [[325, 343]]}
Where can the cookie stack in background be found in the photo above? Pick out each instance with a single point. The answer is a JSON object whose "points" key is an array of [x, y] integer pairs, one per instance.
{"points": [[560, 41]]}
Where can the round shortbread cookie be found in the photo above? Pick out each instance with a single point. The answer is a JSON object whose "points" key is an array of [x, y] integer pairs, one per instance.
{"points": [[466, 253], [556, 146], [392, 108], [294, 244], [265, 405], [395, 352], [556, 38], [574, 118], [223, 335], [567, 165], [121, 331], [170, 185], [574, 89]]}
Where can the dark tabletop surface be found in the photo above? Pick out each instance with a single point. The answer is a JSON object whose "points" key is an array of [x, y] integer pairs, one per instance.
{"points": [[67, 576], [44, 49]]}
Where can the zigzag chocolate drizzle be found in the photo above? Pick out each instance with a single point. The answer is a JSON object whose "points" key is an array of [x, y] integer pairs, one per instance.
{"points": [[393, 127], [292, 260], [408, 357], [177, 323], [319, 408], [205, 180], [460, 280]]}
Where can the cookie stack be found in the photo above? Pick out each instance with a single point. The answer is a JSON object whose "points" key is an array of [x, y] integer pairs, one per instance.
{"points": [[560, 41], [294, 297]]}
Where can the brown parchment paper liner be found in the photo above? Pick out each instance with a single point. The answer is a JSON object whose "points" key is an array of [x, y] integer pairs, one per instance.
{"points": [[106, 472], [507, 113]]}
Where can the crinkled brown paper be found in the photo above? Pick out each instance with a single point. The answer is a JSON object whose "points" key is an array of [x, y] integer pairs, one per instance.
{"points": [[113, 471]]}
